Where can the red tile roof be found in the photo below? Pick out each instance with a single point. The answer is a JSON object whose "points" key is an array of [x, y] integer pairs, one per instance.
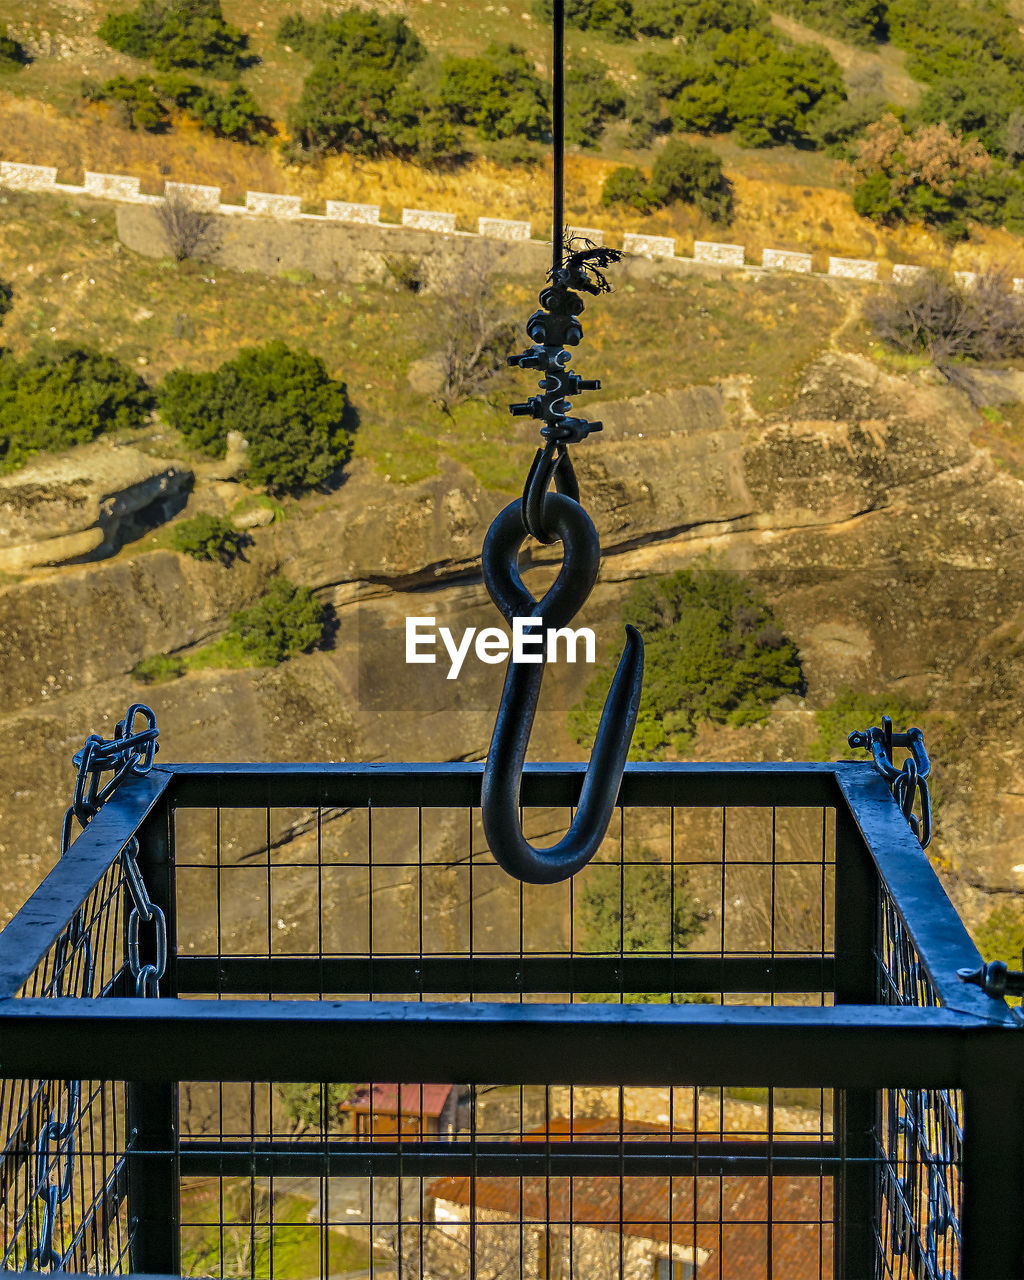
{"points": [[408, 1099], [726, 1217]]}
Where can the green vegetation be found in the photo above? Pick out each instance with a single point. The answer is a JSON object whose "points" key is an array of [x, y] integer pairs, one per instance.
{"points": [[179, 33], [146, 103], [237, 1228], [934, 176], [287, 620], [682, 173], [208, 537], [852, 709], [636, 905], [628, 19], [61, 395], [1001, 936], [12, 55], [591, 99], [713, 652], [857, 21], [293, 414], [367, 92], [304, 1103]]}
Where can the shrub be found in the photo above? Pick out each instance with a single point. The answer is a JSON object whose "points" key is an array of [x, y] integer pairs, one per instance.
{"points": [[713, 653], [64, 395], [6, 298], [159, 668], [745, 80], [499, 93], [208, 537], [926, 175], [693, 175], [629, 186], [286, 621], [943, 319], [179, 33], [355, 37], [591, 99], [137, 102], [293, 414], [12, 54], [187, 230], [852, 709]]}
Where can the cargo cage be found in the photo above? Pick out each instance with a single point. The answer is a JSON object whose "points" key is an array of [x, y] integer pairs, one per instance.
{"points": [[734, 1046]]}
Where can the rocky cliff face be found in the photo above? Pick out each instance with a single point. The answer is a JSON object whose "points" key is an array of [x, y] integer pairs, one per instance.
{"points": [[886, 543]]}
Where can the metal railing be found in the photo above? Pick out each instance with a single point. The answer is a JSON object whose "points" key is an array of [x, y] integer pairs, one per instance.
{"points": [[733, 1046]]}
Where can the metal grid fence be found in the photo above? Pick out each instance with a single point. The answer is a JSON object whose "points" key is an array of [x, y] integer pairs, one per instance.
{"points": [[703, 1057]]}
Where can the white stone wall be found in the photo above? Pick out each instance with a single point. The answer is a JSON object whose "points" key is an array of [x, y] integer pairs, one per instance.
{"points": [[903, 273], [113, 186], [594, 234], [853, 268], [966, 279], [502, 229], [724, 255], [275, 206], [429, 220], [196, 197], [27, 177], [343, 211], [786, 260], [648, 246]]}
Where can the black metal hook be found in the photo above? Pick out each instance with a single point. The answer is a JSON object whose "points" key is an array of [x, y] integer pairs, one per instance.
{"points": [[566, 520]]}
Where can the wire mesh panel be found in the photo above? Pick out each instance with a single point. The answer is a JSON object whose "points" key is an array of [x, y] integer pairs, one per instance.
{"points": [[384, 902], [63, 1143], [919, 1136]]}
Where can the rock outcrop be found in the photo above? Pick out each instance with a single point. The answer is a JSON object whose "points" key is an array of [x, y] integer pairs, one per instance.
{"points": [[885, 541]]}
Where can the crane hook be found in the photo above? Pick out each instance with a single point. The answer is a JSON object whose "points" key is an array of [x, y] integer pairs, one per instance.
{"points": [[569, 523]]}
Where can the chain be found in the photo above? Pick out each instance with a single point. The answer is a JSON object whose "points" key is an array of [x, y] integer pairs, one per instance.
{"points": [[131, 750], [147, 976], [61, 1135], [907, 783]]}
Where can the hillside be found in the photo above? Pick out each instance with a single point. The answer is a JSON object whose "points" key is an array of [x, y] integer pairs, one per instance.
{"points": [[784, 196], [752, 416]]}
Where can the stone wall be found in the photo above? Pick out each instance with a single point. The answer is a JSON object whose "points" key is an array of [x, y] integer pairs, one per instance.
{"points": [[264, 205]]}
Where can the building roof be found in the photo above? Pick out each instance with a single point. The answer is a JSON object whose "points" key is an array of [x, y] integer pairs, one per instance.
{"points": [[407, 1099], [728, 1219]]}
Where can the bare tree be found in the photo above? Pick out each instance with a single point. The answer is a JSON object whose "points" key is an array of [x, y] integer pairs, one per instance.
{"points": [[478, 330], [188, 230]]}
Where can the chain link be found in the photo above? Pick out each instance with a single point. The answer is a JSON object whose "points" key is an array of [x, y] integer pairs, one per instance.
{"points": [[131, 750]]}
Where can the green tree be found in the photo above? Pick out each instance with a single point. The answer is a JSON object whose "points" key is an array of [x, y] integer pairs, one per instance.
{"points": [[498, 93], [630, 186], [137, 101], [637, 905], [693, 175], [179, 33], [713, 652], [208, 537], [305, 1104], [591, 99], [63, 395], [355, 38], [286, 621], [293, 414]]}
